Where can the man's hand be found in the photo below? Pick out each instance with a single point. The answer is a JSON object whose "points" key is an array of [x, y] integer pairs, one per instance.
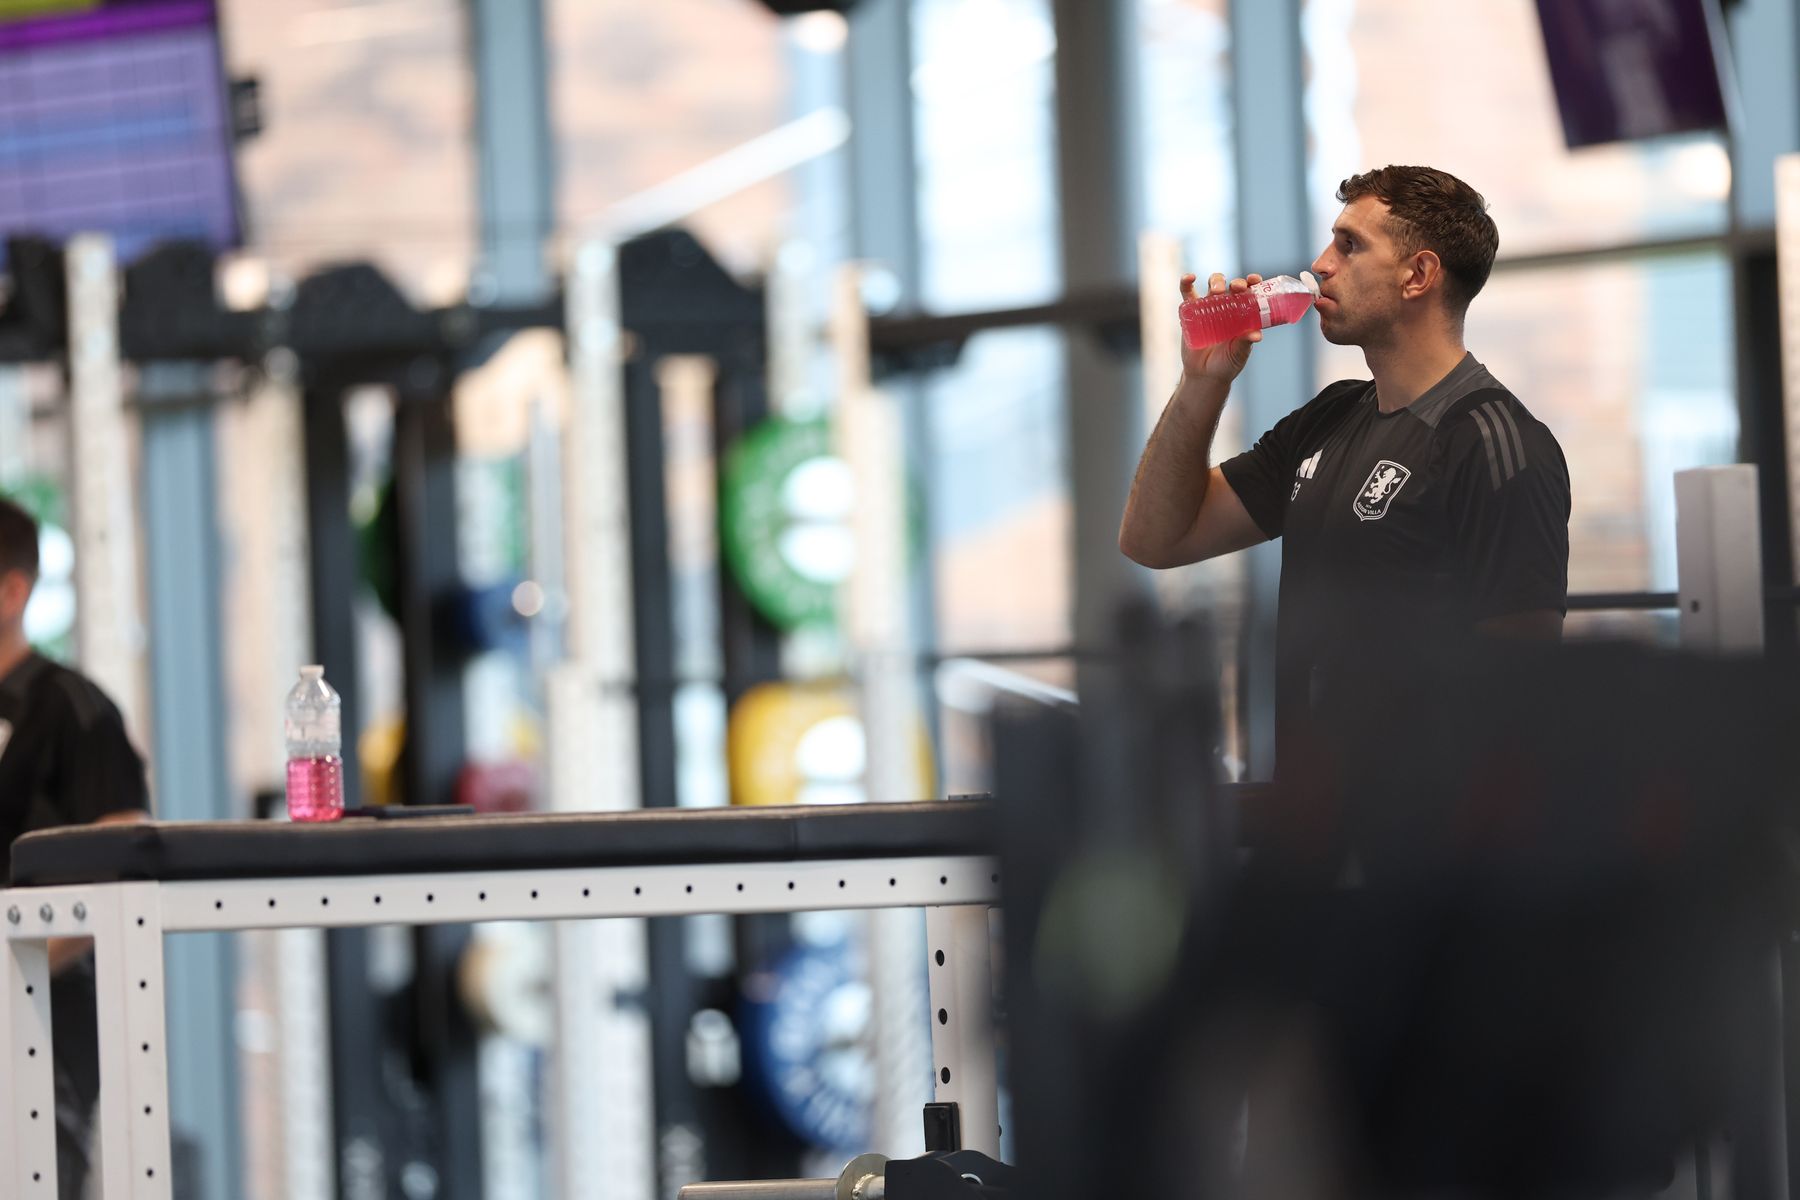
{"points": [[1225, 360]]}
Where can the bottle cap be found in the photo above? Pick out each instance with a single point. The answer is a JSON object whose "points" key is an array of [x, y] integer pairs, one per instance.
{"points": [[312, 672], [1311, 282]]}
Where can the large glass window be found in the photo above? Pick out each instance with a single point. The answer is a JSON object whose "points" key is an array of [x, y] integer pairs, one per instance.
{"points": [[673, 112], [984, 80], [366, 151], [1467, 88], [999, 504], [983, 87], [1189, 159]]}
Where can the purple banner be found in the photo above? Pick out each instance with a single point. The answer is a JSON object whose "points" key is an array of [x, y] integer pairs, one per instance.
{"points": [[101, 24], [117, 120], [1627, 69]]}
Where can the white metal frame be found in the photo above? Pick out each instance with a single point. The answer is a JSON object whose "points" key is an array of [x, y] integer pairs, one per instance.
{"points": [[964, 1070], [128, 920], [602, 1127], [1718, 551], [1787, 284]]}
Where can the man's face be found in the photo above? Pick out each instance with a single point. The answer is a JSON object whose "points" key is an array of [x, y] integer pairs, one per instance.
{"points": [[1360, 276], [15, 590]]}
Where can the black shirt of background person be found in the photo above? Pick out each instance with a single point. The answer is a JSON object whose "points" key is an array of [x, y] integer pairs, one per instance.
{"points": [[1399, 528], [65, 760], [64, 755]]}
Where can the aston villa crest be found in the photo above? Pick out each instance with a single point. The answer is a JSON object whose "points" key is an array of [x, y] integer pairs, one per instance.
{"points": [[1379, 490]]}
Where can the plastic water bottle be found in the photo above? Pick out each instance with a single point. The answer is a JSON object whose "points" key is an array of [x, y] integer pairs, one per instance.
{"points": [[315, 767], [1210, 319]]}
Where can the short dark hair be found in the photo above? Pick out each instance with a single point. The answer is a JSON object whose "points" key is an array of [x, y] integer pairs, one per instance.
{"points": [[1433, 210], [18, 539]]}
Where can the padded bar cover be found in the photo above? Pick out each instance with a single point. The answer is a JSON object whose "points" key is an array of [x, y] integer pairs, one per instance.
{"points": [[189, 850]]}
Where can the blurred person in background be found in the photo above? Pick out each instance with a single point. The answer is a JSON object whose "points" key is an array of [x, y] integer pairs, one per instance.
{"points": [[1423, 502], [64, 760]]}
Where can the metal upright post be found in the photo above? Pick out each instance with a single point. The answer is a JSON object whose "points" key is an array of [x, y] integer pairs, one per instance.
{"points": [[884, 186], [1100, 184], [868, 435], [515, 164], [425, 498], [1274, 231], [367, 1133], [602, 1134], [517, 202], [188, 689], [15, 425], [516, 153], [109, 635], [1765, 45], [1718, 548], [1719, 559]]}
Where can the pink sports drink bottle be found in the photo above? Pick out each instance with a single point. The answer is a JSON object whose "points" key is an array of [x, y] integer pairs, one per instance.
{"points": [[1210, 319], [315, 767]]}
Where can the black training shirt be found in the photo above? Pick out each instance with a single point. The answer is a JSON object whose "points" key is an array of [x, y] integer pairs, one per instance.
{"points": [[64, 756], [1411, 524]]}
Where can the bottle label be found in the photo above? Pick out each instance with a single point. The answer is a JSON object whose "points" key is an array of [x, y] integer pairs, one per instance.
{"points": [[1262, 307]]}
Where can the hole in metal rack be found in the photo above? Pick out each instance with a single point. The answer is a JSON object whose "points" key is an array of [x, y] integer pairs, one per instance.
{"points": [[29, 989], [740, 887], [140, 922], [893, 883], [271, 902], [585, 892], [943, 879], [146, 1047], [430, 898], [218, 904], [324, 901], [378, 899], [790, 885], [34, 1114], [146, 1110], [944, 1075], [143, 984], [534, 893], [482, 896], [690, 888], [840, 883], [943, 1016], [637, 891], [31, 1052], [940, 958], [993, 879]]}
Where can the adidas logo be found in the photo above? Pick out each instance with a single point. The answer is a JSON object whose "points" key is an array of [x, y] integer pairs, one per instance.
{"points": [[1311, 465]]}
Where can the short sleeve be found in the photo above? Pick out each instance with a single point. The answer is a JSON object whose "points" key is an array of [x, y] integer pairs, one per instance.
{"points": [[99, 772], [1509, 512], [1263, 476]]}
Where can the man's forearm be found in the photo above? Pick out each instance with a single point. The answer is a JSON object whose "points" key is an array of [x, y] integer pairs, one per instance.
{"points": [[1171, 479]]}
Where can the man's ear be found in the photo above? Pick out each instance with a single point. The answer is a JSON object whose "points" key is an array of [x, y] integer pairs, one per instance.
{"points": [[1424, 271]]}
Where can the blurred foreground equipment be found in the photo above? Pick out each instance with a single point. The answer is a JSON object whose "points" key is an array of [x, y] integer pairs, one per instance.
{"points": [[1511, 932]]}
